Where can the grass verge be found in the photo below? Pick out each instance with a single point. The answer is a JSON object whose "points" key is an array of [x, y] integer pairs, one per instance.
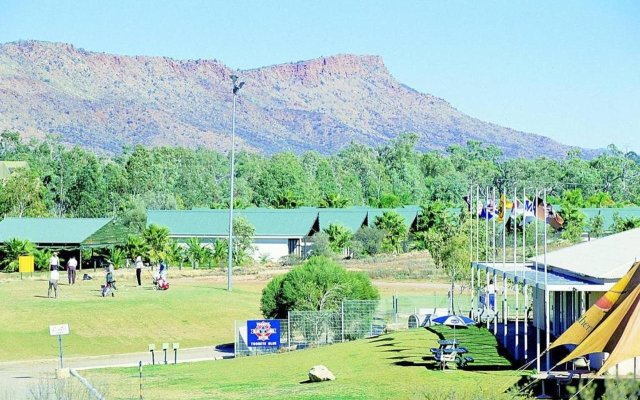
{"points": [[396, 365]]}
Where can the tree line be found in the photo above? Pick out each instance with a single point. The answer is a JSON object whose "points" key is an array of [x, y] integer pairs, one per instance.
{"points": [[75, 182]]}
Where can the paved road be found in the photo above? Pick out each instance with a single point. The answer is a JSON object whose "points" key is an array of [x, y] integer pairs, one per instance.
{"points": [[18, 377]]}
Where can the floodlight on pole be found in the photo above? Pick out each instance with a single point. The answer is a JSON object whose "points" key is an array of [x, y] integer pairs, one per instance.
{"points": [[236, 88]]}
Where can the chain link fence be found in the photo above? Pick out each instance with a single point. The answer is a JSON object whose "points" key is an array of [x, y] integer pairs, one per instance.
{"points": [[355, 319]]}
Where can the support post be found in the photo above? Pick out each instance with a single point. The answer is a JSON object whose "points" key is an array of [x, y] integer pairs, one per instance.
{"points": [[342, 321], [526, 322], [60, 347], [140, 372], [288, 331], [505, 310], [495, 317]]}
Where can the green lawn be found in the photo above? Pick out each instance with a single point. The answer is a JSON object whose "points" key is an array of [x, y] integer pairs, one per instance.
{"points": [[194, 312], [396, 365]]}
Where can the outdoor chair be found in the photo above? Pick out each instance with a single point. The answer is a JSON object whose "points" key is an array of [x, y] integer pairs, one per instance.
{"points": [[446, 357], [581, 363]]}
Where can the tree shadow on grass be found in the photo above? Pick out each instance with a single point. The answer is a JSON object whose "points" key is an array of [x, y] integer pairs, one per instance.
{"points": [[395, 350], [385, 339], [398, 358], [386, 345], [412, 364]]}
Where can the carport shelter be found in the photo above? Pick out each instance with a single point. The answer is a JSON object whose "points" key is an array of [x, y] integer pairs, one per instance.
{"points": [[64, 233]]}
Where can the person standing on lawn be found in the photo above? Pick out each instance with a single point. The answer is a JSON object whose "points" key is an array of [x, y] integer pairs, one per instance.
{"points": [[139, 266], [54, 262], [72, 264], [54, 277]]}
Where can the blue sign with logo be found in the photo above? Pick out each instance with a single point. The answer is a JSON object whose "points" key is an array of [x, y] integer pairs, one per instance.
{"points": [[263, 333]]}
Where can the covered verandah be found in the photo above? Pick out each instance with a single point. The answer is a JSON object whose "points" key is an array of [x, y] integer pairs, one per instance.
{"points": [[531, 307]]}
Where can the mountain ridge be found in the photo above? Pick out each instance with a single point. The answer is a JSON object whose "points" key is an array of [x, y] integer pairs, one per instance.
{"points": [[106, 101]]}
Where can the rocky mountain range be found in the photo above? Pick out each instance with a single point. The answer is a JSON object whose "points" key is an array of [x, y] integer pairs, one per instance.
{"points": [[104, 102]]}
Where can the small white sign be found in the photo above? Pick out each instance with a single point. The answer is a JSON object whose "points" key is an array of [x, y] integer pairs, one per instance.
{"points": [[55, 330]]}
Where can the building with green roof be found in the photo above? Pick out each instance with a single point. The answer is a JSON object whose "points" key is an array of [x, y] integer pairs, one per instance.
{"points": [[609, 214], [278, 233], [408, 213], [351, 218], [65, 234]]}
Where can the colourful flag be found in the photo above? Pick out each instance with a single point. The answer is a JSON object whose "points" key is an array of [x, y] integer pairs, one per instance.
{"points": [[550, 216], [505, 204], [528, 212]]}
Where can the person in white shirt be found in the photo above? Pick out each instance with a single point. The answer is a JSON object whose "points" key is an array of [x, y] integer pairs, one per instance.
{"points": [[72, 264], [53, 282], [54, 262], [491, 292], [139, 266]]}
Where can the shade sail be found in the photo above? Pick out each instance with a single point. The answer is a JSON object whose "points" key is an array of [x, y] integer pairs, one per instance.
{"points": [[616, 324], [594, 315]]}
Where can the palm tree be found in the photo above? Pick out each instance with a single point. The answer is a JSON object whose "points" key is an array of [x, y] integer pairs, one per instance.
{"points": [[41, 258], [174, 253], [339, 237], [136, 246], [12, 249], [395, 229], [195, 252], [118, 257], [157, 238]]}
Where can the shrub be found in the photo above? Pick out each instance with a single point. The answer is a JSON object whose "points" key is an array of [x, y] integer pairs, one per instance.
{"points": [[11, 250], [318, 284], [339, 237], [370, 240], [394, 228], [321, 246]]}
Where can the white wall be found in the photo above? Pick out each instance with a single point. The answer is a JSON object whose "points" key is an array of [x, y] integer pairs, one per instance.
{"points": [[273, 249]]}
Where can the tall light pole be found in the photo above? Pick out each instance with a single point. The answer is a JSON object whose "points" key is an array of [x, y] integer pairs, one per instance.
{"points": [[236, 88]]}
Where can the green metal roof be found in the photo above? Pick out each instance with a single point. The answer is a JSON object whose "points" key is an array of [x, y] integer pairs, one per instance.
{"points": [[409, 213], [350, 218], [267, 222], [55, 230], [608, 213]]}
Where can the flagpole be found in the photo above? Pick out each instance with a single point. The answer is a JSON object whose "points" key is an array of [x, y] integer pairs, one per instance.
{"points": [[524, 261], [505, 306], [536, 297], [546, 282], [477, 226], [486, 246], [478, 206], [486, 225], [471, 251], [493, 251], [515, 266]]}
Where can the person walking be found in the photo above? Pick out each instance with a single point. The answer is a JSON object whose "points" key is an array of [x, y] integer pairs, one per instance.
{"points": [[54, 262], [491, 292], [72, 264], [139, 266], [53, 282]]}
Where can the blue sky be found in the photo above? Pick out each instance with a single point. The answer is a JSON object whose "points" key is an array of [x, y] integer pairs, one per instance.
{"points": [[569, 70]]}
